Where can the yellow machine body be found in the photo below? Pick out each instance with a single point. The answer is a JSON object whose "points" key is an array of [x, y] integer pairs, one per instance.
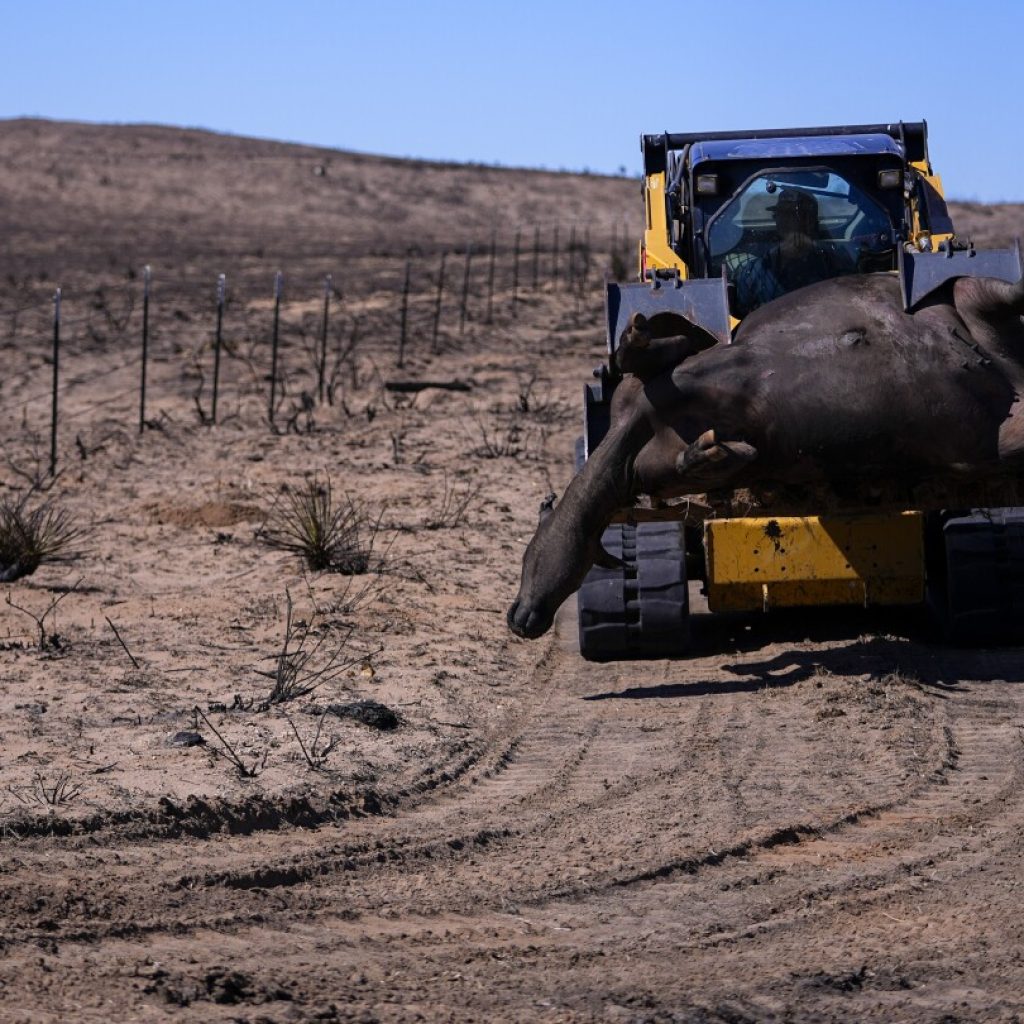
{"points": [[758, 564], [920, 235], [763, 563], [707, 200], [655, 252]]}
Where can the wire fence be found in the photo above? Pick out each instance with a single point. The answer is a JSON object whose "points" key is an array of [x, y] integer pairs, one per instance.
{"points": [[218, 348]]}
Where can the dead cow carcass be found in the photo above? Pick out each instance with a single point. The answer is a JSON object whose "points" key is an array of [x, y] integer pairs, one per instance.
{"points": [[835, 384]]}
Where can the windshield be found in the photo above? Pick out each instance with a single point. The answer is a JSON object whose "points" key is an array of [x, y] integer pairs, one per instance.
{"points": [[787, 229]]}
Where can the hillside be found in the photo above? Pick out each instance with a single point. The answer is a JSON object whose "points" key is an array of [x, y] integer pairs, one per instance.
{"points": [[82, 199], [77, 198]]}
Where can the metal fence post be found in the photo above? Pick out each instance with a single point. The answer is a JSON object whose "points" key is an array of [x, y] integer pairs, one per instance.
{"points": [[515, 273], [490, 278], [405, 315], [536, 257], [571, 251], [218, 337], [322, 365], [146, 277], [56, 380], [585, 258], [465, 289], [437, 303], [273, 352]]}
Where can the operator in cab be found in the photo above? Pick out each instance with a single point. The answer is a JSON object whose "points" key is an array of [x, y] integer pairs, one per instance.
{"points": [[796, 260]]}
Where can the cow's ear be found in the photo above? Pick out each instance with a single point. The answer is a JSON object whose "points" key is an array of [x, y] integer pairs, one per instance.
{"points": [[547, 505], [605, 560]]}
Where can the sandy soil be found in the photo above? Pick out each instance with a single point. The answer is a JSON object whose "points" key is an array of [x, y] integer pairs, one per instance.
{"points": [[816, 817]]}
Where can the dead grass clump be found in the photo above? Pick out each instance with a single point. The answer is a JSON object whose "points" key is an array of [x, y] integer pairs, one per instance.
{"points": [[452, 505], [316, 753], [227, 750], [535, 399], [45, 641], [348, 600], [52, 793], [33, 534], [898, 677], [504, 434], [329, 536], [500, 440], [299, 668]]}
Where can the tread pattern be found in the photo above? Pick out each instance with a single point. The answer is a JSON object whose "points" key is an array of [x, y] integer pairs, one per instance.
{"points": [[640, 610], [984, 592]]}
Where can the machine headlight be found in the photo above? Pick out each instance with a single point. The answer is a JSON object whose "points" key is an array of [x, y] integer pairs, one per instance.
{"points": [[891, 178], [707, 184]]}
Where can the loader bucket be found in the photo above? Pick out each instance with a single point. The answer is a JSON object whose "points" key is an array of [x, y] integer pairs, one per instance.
{"points": [[921, 273], [703, 302]]}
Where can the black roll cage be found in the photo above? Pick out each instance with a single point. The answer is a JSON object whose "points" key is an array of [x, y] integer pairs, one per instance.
{"points": [[911, 135]]}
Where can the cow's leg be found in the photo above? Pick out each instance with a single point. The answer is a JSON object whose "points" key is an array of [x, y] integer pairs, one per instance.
{"points": [[988, 299], [712, 462], [686, 456], [668, 466], [992, 312], [646, 355], [567, 541]]}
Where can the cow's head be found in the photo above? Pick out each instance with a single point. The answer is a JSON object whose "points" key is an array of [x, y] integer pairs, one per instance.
{"points": [[556, 560]]}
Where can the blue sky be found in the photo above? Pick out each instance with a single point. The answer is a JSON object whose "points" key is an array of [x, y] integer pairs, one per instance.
{"points": [[560, 84]]}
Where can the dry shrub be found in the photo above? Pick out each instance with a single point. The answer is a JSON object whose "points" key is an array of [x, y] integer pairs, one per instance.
{"points": [[33, 534], [329, 536], [535, 399], [501, 438], [298, 672], [453, 503]]}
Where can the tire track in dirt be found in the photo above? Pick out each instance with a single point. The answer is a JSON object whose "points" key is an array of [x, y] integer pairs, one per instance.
{"points": [[930, 850], [706, 823], [483, 766], [526, 773]]}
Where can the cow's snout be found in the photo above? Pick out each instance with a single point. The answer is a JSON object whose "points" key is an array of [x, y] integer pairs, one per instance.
{"points": [[528, 622]]}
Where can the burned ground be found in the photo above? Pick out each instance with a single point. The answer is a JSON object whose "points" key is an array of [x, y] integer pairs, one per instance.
{"points": [[814, 818]]}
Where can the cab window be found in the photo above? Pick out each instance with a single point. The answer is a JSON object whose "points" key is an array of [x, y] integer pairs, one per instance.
{"points": [[785, 230]]}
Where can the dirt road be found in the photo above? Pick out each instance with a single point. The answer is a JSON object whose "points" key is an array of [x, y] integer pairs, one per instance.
{"points": [[795, 831]]}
